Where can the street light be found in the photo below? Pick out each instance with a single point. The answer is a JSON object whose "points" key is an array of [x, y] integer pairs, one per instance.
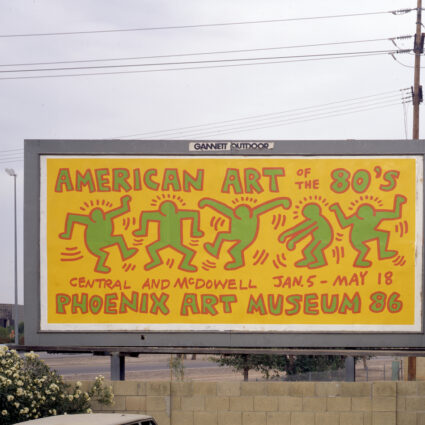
{"points": [[12, 173]]}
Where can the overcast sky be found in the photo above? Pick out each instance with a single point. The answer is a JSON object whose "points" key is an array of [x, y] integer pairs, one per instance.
{"points": [[117, 105]]}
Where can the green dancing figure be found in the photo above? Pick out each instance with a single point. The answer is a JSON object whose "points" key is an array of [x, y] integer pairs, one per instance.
{"points": [[169, 220], [364, 228], [99, 233], [316, 226], [244, 222]]}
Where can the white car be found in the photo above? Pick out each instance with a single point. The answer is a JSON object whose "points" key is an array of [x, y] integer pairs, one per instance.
{"points": [[94, 419]]}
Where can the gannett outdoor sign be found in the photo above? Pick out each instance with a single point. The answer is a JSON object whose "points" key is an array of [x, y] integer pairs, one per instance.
{"points": [[317, 239], [230, 146]]}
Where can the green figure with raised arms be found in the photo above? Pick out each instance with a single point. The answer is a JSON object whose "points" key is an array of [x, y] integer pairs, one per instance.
{"points": [[169, 219], [364, 228], [316, 226], [99, 233], [244, 222]]}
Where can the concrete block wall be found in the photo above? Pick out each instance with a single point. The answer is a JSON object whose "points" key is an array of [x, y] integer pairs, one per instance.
{"points": [[273, 403]]}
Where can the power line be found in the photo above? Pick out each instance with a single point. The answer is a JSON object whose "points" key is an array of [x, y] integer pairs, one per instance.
{"points": [[344, 56], [278, 121], [217, 52], [11, 150], [10, 155], [221, 24], [184, 130], [132, 65], [297, 121], [403, 64], [11, 160]]}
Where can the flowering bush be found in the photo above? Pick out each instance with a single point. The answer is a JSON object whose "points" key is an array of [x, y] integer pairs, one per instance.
{"points": [[30, 390]]}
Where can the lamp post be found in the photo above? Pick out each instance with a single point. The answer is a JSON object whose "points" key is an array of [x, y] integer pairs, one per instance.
{"points": [[12, 173]]}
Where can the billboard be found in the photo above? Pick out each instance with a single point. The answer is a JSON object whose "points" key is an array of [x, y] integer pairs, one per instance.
{"points": [[215, 240]]}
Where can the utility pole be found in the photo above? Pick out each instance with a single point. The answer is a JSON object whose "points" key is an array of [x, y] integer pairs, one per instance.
{"points": [[417, 94], [417, 89]]}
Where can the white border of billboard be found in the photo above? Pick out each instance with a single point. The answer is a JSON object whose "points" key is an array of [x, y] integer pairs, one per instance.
{"points": [[281, 328]]}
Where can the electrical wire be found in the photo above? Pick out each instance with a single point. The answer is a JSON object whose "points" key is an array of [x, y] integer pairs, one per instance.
{"points": [[272, 114], [386, 94], [11, 160], [217, 52], [132, 65], [403, 64], [189, 68], [222, 24], [289, 115], [10, 155], [302, 117], [278, 122], [11, 150], [297, 121]]}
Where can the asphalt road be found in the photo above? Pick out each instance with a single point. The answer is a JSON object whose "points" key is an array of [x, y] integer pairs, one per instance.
{"points": [[156, 367], [88, 365]]}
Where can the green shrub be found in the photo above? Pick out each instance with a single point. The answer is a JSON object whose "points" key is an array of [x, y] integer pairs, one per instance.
{"points": [[30, 390]]}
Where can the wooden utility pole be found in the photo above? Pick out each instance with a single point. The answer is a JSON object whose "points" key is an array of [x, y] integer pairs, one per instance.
{"points": [[416, 83], [418, 47]]}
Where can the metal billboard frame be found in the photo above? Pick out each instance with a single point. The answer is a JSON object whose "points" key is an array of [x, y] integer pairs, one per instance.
{"points": [[190, 340]]}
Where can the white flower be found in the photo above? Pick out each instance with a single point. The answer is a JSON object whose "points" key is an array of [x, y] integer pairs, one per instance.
{"points": [[10, 398], [4, 412], [54, 387], [89, 411]]}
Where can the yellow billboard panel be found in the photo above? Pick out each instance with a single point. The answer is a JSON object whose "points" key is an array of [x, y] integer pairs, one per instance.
{"points": [[231, 243]]}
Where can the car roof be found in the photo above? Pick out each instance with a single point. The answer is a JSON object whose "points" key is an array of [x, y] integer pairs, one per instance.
{"points": [[89, 419]]}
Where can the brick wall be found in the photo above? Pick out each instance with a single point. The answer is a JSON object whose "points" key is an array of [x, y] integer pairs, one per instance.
{"points": [[273, 403]]}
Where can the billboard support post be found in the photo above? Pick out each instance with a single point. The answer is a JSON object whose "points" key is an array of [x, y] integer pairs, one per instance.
{"points": [[350, 369], [117, 366]]}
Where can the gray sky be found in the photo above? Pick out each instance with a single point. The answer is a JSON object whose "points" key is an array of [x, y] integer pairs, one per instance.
{"points": [[109, 106]]}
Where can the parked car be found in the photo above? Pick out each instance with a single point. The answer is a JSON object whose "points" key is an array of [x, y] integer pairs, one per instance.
{"points": [[94, 419]]}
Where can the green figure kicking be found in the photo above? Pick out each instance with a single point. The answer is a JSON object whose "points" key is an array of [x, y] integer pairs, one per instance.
{"points": [[169, 220], [99, 231], [244, 222], [316, 226], [364, 228]]}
